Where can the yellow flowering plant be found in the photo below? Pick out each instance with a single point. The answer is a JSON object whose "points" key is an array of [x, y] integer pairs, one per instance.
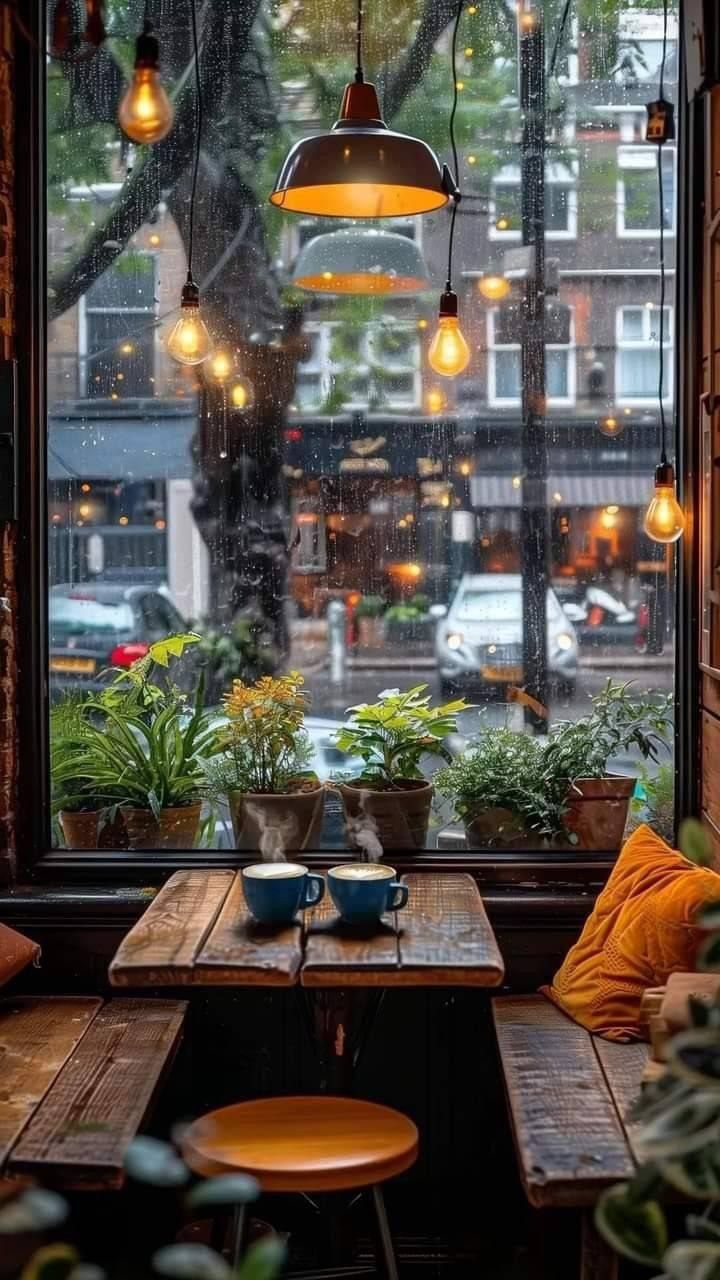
{"points": [[263, 747]]}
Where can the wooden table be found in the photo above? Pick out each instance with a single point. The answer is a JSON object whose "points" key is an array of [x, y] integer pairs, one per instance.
{"points": [[198, 932]]}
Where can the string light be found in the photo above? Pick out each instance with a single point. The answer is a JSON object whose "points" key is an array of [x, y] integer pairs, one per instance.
{"points": [[449, 353], [611, 425], [145, 114], [242, 394], [190, 341], [494, 286], [221, 365]]}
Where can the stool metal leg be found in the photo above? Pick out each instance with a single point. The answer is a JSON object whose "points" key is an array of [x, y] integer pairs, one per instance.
{"points": [[237, 1235], [386, 1244]]}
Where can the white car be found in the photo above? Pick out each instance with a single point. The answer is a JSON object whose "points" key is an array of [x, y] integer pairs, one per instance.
{"points": [[479, 640]]}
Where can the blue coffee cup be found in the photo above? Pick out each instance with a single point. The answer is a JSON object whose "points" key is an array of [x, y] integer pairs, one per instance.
{"points": [[276, 891], [364, 891]]}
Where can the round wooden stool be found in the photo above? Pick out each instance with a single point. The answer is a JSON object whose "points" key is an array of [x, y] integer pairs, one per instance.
{"points": [[306, 1144]]}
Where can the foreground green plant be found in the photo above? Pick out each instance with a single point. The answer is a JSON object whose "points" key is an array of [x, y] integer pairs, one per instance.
{"points": [[392, 735], [619, 720], [262, 748], [679, 1119]]}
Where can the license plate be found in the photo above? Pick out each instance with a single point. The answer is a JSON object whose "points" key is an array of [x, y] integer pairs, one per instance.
{"points": [[508, 674], [78, 666]]}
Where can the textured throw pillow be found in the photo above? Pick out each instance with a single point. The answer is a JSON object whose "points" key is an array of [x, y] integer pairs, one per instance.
{"points": [[641, 930]]}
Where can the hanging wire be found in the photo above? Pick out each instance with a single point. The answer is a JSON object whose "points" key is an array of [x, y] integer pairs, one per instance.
{"points": [[453, 144], [661, 212], [558, 38], [359, 73], [198, 136]]}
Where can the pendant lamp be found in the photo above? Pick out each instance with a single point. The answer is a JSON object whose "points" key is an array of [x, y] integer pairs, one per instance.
{"points": [[361, 260], [360, 168]]}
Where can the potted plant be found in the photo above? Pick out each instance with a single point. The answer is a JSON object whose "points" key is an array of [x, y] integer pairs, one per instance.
{"points": [[391, 736], [499, 792], [577, 754], [84, 818], [368, 615], [409, 623], [261, 766], [143, 744]]}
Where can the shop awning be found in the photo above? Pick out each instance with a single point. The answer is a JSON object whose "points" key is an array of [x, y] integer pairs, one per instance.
{"points": [[593, 490], [126, 449]]}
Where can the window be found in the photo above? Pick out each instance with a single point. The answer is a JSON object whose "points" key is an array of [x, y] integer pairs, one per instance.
{"points": [[322, 499], [117, 330], [637, 371], [638, 211], [504, 361]]}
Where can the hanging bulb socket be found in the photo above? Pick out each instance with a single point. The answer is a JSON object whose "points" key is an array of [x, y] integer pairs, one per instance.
{"points": [[448, 304], [190, 296], [147, 48]]}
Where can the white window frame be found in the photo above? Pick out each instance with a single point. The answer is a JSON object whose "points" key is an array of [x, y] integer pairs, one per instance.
{"points": [[556, 175], [321, 364], [82, 328], [505, 402], [634, 157], [644, 344]]}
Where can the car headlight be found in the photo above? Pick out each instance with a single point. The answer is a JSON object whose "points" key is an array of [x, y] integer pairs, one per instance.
{"points": [[455, 639], [564, 641]]}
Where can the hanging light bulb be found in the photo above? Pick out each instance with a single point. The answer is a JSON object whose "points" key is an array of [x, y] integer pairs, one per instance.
{"points": [[190, 342], [494, 286], [449, 353], [242, 394], [221, 365], [664, 519], [145, 114]]}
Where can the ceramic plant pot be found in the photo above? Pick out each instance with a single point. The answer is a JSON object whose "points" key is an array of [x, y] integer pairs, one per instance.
{"points": [[275, 825], [175, 828], [597, 810], [90, 829], [500, 829], [399, 818]]}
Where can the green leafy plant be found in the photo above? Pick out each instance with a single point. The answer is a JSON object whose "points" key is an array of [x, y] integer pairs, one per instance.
{"points": [[654, 800], [242, 651], [262, 748], [678, 1117], [391, 735], [370, 607], [71, 736], [619, 720], [505, 770]]}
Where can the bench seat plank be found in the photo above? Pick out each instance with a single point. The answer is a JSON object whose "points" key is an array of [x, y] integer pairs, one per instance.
{"points": [[160, 950], [79, 1133], [569, 1138], [37, 1036]]}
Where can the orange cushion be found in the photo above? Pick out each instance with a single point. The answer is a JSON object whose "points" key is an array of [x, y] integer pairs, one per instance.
{"points": [[641, 930]]}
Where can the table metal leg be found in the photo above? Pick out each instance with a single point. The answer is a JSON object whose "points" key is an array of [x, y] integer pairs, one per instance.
{"points": [[386, 1243], [339, 1023], [237, 1238]]}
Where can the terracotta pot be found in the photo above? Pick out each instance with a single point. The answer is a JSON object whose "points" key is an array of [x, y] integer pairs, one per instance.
{"points": [[398, 818], [89, 829], [597, 810], [175, 829], [278, 824], [501, 829], [370, 632]]}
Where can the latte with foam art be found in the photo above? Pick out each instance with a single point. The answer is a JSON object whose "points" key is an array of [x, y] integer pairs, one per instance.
{"points": [[363, 871], [274, 870]]}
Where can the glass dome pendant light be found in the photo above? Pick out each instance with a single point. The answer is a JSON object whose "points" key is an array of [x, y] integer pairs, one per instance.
{"points": [[361, 260], [190, 342], [360, 168], [449, 353]]}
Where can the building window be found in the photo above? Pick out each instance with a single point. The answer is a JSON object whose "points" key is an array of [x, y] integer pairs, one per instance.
{"points": [[637, 369], [505, 207], [638, 197], [504, 362], [355, 366], [117, 330]]}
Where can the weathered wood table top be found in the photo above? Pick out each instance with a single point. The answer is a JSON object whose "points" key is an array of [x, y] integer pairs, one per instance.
{"points": [[198, 932]]}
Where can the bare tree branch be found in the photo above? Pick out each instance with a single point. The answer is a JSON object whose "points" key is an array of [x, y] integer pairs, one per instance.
{"points": [[407, 75]]}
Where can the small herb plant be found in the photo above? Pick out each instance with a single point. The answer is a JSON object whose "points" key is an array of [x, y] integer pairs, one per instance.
{"points": [[391, 735], [263, 748], [619, 720], [504, 770], [71, 738], [370, 607]]}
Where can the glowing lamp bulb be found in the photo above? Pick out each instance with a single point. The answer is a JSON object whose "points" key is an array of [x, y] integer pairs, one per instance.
{"points": [[664, 519], [242, 395], [449, 353], [189, 342], [611, 426], [493, 286], [145, 113], [221, 366]]}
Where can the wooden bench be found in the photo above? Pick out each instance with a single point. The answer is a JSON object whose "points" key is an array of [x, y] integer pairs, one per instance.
{"points": [[78, 1078], [568, 1094]]}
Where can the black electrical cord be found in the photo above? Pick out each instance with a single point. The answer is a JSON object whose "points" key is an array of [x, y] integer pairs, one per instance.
{"points": [[453, 145], [198, 137], [558, 38], [359, 73], [661, 213]]}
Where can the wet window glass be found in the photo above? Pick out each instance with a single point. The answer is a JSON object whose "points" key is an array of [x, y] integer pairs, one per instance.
{"points": [[318, 495]]}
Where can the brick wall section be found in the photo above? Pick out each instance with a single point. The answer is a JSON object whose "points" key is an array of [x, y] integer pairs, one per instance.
{"points": [[8, 543]]}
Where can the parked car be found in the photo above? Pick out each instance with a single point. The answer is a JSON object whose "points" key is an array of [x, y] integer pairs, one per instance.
{"points": [[95, 626], [479, 641], [601, 618]]}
